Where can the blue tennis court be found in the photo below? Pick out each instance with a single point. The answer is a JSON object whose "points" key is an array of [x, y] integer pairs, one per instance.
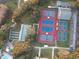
{"points": [[51, 22], [47, 29]]}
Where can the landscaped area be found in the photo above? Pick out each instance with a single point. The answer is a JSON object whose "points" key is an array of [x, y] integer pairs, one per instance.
{"points": [[32, 26]]}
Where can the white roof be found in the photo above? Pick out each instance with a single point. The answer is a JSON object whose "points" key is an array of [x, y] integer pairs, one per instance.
{"points": [[23, 32], [63, 4], [64, 13]]}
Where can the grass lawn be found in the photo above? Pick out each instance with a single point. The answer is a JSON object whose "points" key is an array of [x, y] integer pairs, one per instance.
{"points": [[46, 53]]}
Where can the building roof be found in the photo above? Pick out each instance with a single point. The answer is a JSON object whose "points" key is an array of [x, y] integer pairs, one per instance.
{"points": [[64, 13], [63, 4]]}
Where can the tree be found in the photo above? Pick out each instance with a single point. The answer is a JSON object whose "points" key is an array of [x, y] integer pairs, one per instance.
{"points": [[3, 11], [29, 53], [25, 6]]}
